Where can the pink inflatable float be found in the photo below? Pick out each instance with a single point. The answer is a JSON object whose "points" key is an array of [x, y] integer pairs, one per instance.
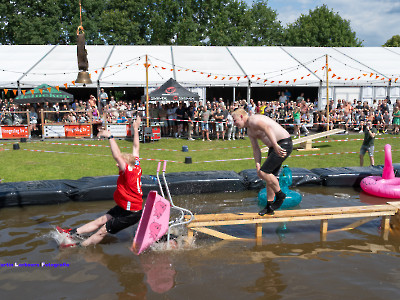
{"points": [[387, 186]]}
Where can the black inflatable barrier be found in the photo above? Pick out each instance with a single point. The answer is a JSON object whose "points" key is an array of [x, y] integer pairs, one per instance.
{"points": [[396, 168], [103, 187], [300, 176], [94, 188], [35, 192], [204, 182], [346, 176]]}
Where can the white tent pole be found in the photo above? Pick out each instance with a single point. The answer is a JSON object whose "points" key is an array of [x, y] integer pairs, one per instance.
{"points": [[173, 63]]}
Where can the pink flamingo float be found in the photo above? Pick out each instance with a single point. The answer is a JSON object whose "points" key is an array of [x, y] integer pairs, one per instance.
{"points": [[387, 186]]}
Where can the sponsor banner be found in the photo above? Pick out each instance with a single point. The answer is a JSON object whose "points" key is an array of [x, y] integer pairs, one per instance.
{"points": [[120, 130], [54, 131], [77, 130], [12, 132]]}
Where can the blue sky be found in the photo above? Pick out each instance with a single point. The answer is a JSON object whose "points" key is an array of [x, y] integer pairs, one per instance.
{"points": [[374, 21]]}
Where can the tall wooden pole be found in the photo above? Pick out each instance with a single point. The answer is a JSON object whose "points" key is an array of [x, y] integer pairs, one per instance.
{"points": [[327, 91], [147, 93]]}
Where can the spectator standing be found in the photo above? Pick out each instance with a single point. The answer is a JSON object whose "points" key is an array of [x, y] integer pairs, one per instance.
{"points": [[103, 98], [368, 143], [396, 120], [219, 123], [204, 117]]}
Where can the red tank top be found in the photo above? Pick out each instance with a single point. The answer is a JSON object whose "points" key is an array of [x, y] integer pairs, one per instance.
{"points": [[129, 188]]}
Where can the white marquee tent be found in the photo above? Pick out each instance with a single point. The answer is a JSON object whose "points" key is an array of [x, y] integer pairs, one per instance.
{"points": [[359, 72]]}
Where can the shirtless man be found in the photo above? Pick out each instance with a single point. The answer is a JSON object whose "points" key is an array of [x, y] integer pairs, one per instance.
{"points": [[273, 135]]}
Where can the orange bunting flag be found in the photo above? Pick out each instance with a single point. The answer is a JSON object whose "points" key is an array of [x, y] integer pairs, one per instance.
{"points": [[272, 81], [383, 78], [329, 69], [171, 70], [396, 79], [365, 74], [322, 68], [73, 82], [339, 77], [201, 73], [163, 68], [345, 79], [187, 70], [352, 78], [41, 91], [66, 85], [223, 78], [95, 71], [238, 78], [315, 71], [302, 77], [258, 78], [280, 81], [215, 77], [179, 70], [105, 68], [294, 80], [245, 76], [57, 87], [371, 74], [32, 91], [308, 74], [194, 71], [377, 76], [49, 89], [287, 81], [358, 77], [334, 75], [119, 65], [265, 80], [209, 75], [155, 66], [23, 92], [5, 91], [230, 78], [252, 76]]}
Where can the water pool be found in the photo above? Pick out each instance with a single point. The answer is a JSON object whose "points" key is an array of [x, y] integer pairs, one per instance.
{"points": [[292, 263]]}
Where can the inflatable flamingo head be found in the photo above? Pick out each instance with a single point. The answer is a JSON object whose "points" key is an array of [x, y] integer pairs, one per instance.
{"points": [[388, 172]]}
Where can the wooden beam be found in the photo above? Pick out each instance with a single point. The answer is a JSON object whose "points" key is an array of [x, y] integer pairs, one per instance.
{"points": [[212, 232], [311, 137], [353, 225], [385, 226]]}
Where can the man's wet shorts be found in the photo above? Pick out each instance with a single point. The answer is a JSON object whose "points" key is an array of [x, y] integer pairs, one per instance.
{"points": [[121, 219], [274, 161]]}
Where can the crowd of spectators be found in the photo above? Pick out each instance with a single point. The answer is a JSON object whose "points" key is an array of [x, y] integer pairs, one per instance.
{"points": [[211, 119]]}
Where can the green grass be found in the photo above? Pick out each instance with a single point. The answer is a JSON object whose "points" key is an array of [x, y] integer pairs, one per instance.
{"points": [[79, 161]]}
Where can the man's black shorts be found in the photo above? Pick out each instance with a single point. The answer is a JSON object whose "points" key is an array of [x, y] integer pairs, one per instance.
{"points": [[274, 161], [121, 219]]}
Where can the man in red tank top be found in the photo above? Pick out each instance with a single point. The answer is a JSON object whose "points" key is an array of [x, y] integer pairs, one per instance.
{"points": [[128, 197]]}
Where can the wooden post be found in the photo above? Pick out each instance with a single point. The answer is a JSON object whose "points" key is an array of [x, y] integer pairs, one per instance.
{"points": [[43, 122], [324, 229], [190, 233], [385, 225], [29, 123], [258, 234], [327, 92]]}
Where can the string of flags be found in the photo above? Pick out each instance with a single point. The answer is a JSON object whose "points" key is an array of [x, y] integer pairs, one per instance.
{"points": [[256, 78]]}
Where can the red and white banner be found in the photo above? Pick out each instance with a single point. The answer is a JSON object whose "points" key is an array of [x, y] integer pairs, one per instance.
{"points": [[67, 131], [13, 132], [120, 130]]}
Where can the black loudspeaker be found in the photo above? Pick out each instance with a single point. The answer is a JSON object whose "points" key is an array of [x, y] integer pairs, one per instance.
{"points": [[188, 160], [16, 146]]}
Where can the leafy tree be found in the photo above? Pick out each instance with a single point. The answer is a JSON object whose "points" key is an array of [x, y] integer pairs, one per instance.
{"points": [[394, 41], [265, 30], [321, 28]]}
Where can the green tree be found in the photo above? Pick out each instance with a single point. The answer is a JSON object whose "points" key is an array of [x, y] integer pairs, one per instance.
{"points": [[394, 41], [266, 29], [321, 28]]}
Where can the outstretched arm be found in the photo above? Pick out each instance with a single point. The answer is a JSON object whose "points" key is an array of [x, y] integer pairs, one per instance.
{"points": [[116, 153], [136, 143]]}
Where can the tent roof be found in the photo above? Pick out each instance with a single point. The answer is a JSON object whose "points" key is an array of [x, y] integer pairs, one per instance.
{"points": [[172, 90], [44, 93], [119, 66]]}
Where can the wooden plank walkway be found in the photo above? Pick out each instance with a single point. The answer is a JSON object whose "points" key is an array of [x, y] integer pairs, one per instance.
{"points": [[306, 141], [368, 213]]}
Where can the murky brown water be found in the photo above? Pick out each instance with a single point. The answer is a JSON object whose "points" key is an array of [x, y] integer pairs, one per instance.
{"points": [[292, 263]]}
